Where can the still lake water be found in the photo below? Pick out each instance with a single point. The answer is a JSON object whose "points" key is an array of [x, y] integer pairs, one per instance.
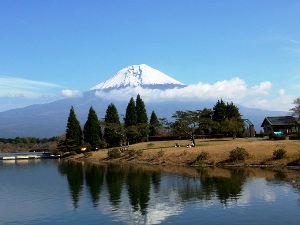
{"points": [[62, 192]]}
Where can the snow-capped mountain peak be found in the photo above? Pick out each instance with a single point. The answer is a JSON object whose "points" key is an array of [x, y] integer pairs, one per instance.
{"points": [[138, 75]]}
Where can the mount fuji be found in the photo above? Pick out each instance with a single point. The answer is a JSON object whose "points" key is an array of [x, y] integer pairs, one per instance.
{"points": [[139, 76], [49, 120]]}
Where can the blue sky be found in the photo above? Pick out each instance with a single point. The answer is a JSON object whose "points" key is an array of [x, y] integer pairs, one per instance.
{"points": [[53, 49]]}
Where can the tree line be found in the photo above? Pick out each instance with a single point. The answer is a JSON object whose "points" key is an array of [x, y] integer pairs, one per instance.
{"points": [[27, 140], [110, 132]]}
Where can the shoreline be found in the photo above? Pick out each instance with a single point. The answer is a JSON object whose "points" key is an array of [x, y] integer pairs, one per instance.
{"points": [[260, 153], [191, 170]]}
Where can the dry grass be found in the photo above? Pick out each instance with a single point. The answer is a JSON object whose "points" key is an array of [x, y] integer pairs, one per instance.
{"points": [[164, 152]]}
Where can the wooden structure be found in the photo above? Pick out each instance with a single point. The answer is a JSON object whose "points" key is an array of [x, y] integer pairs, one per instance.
{"points": [[280, 125]]}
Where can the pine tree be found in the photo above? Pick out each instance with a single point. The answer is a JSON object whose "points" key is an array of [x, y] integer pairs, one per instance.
{"points": [[130, 122], [141, 119], [141, 114], [219, 111], [92, 130], [232, 111], [154, 124], [205, 120], [228, 118], [112, 131], [130, 116], [73, 132]]}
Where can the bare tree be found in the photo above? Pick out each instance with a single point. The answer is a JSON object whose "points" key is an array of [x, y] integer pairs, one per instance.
{"points": [[296, 109]]}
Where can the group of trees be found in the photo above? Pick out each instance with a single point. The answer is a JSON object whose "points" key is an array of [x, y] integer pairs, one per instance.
{"points": [[27, 140], [110, 132], [222, 119]]}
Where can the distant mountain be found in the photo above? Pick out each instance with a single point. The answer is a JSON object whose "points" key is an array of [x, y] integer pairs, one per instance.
{"points": [[139, 76], [48, 120]]}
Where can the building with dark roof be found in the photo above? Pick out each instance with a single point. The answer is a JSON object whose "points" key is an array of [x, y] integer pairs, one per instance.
{"points": [[280, 124]]}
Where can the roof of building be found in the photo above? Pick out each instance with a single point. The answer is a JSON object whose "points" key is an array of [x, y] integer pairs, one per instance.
{"points": [[280, 121]]}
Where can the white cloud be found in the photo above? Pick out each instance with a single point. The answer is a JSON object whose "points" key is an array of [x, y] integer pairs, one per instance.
{"points": [[281, 92], [18, 92], [262, 88], [71, 93], [13, 87], [228, 89], [281, 103], [258, 96], [235, 90]]}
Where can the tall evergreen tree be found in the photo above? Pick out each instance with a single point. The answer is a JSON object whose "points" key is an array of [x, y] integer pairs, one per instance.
{"points": [[141, 119], [112, 130], [227, 118], [92, 130], [205, 121], [130, 122], [154, 124], [73, 131], [130, 116], [232, 111], [219, 115], [219, 111], [141, 114]]}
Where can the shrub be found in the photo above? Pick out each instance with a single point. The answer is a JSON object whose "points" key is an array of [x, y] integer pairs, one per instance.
{"points": [[150, 145], [160, 153], [133, 152], [139, 152], [202, 156], [279, 137], [114, 153], [271, 136], [279, 153], [295, 137], [238, 154], [87, 154], [73, 153], [276, 137]]}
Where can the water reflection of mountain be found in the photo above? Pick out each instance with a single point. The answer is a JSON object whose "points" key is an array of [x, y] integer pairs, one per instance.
{"points": [[136, 195]]}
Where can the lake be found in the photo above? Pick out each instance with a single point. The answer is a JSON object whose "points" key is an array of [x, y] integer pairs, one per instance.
{"points": [[46, 191]]}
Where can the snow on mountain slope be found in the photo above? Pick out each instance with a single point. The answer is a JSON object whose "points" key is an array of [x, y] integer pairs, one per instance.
{"points": [[138, 75]]}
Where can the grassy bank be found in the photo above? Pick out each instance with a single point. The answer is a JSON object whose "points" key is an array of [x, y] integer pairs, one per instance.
{"points": [[214, 152]]}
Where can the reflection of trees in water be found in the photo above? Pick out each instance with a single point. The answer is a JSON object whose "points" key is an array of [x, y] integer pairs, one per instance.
{"points": [[205, 187], [138, 186], [279, 175], [280, 178], [230, 188], [94, 180], [156, 179], [75, 177], [114, 179], [140, 181]]}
